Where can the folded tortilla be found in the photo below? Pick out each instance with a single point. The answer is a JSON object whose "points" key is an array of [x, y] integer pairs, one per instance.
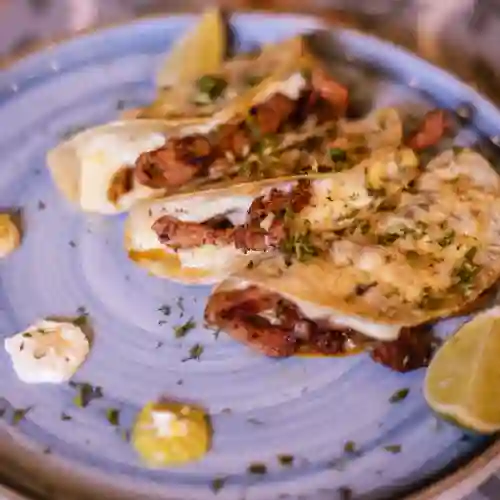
{"points": [[89, 168], [336, 201], [429, 256]]}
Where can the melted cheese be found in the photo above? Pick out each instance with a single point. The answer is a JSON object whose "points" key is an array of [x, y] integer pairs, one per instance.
{"points": [[379, 331], [218, 259], [337, 199], [314, 312], [189, 209], [101, 157], [291, 87]]}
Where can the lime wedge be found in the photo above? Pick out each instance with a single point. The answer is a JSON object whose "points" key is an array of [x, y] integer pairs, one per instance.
{"points": [[198, 53], [463, 380]]}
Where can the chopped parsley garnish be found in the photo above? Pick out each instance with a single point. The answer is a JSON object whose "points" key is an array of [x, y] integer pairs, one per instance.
{"points": [[467, 271], [113, 416], [254, 421], [19, 414], [165, 309], [447, 239], [65, 417], [257, 468], [299, 246], [27, 335], [393, 448], [337, 154], [218, 483], [85, 393], [399, 395], [194, 353], [350, 447], [182, 330], [210, 88], [286, 460]]}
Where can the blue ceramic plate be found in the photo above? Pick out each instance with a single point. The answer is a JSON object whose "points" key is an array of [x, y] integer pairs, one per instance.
{"points": [[261, 408]]}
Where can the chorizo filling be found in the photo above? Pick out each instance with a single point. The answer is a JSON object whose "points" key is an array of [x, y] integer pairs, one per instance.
{"points": [[280, 136], [276, 327], [266, 225], [213, 155]]}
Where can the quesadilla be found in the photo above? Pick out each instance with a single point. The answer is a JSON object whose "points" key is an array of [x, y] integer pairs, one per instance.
{"points": [[203, 237], [428, 253], [108, 168]]}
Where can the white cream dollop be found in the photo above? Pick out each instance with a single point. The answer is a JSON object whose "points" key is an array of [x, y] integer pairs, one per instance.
{"points": [[47, 352]]}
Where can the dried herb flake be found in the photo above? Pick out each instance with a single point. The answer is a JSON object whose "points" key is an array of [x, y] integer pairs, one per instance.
{"points": [[85, 393], [183, 330], [165, 309], [286, 460], [399, 395], [113, 416], [337, 154], [257, 468], [194, 353], [350, 447], [218, 483], [19, 414]]}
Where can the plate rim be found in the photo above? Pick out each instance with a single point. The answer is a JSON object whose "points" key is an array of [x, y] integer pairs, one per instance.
{"points": [[465, 479]]}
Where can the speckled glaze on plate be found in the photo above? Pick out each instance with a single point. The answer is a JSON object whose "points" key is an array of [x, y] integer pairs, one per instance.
{"points": [[260, 408]]}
